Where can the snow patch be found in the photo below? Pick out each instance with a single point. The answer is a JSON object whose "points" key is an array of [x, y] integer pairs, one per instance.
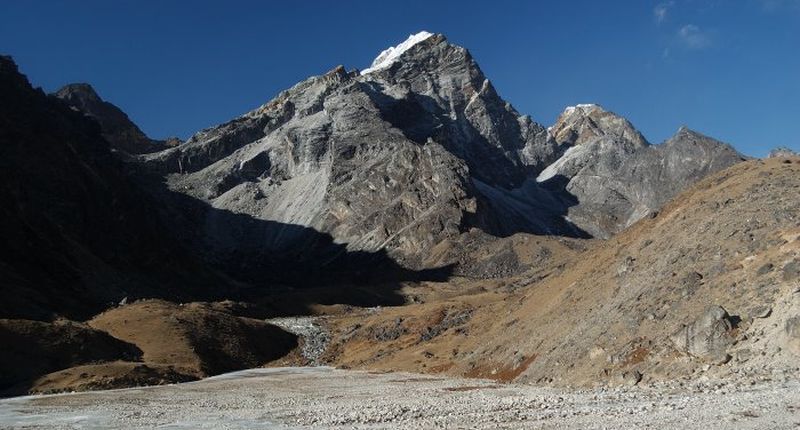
{"points": [[391, 54], [555, 168]]}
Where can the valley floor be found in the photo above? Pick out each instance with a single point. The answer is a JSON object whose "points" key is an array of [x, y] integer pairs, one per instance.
{"points": [[322, 397]]}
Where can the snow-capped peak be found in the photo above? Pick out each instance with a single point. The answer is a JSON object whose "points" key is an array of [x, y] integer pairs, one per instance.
{"points": [[584, 107], [390, 55]]}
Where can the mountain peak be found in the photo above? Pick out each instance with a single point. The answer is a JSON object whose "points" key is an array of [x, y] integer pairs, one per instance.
{"points": [[686, 143], [585, 122], [389, 55], [118, 129], [80, 91], [7, 63], [686, 132], [583, 108]]}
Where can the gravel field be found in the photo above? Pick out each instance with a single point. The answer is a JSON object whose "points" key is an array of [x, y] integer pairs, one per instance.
{"points": [[321, 397]]}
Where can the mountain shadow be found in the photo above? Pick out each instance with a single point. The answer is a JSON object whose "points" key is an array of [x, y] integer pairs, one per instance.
{"points": [[285, 268]]}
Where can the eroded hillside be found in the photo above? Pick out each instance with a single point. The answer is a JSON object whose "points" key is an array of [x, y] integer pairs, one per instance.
{"points": [[621, 309]]}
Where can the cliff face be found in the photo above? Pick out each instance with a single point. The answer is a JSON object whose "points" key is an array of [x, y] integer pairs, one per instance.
{"points": [[398, 158]]}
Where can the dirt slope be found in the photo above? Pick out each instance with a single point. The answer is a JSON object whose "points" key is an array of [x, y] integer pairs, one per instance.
{"points": [[106, 376], [624, 306]]}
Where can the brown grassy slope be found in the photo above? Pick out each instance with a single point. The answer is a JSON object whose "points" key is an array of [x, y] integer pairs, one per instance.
{"points": [[33, 348], [730, 240], [106, 376], [726, 241], [194, 338], [475, 254], [445, 322]]}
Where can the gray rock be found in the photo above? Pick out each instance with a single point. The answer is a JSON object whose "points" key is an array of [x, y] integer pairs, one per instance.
{"points": [[708, 337], [763, 270], [792, 327], [631, 378], [313, 333], [761, 311], [791, 271]]}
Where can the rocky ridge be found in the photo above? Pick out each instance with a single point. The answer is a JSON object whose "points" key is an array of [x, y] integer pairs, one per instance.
{"points": [[117, 128], [617, 177]]}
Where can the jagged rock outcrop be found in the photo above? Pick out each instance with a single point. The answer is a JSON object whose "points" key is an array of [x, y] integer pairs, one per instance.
{"points": [[616, 176], [77, 231], [586, 122], [117, 128], [415, 149]]}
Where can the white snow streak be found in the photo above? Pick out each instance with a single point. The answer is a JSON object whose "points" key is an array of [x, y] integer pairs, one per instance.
{"points": [[391, 54]]}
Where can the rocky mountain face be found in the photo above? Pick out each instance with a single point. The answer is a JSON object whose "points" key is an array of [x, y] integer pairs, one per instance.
{"points": [[616, 176], [397, 158], [77, 233], [417, 148], [117, 128]]}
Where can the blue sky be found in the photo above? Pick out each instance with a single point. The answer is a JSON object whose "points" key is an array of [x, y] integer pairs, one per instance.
{"points": [[730, 69]]}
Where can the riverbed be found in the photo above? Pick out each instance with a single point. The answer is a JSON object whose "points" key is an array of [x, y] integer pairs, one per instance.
{"points": [[322, 397]]}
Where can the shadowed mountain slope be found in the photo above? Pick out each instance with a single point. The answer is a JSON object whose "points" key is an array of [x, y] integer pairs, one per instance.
{"points": [[78, 233]]}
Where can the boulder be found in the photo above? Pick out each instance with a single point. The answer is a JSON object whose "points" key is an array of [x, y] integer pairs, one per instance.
{"points": [[708, 337]]}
